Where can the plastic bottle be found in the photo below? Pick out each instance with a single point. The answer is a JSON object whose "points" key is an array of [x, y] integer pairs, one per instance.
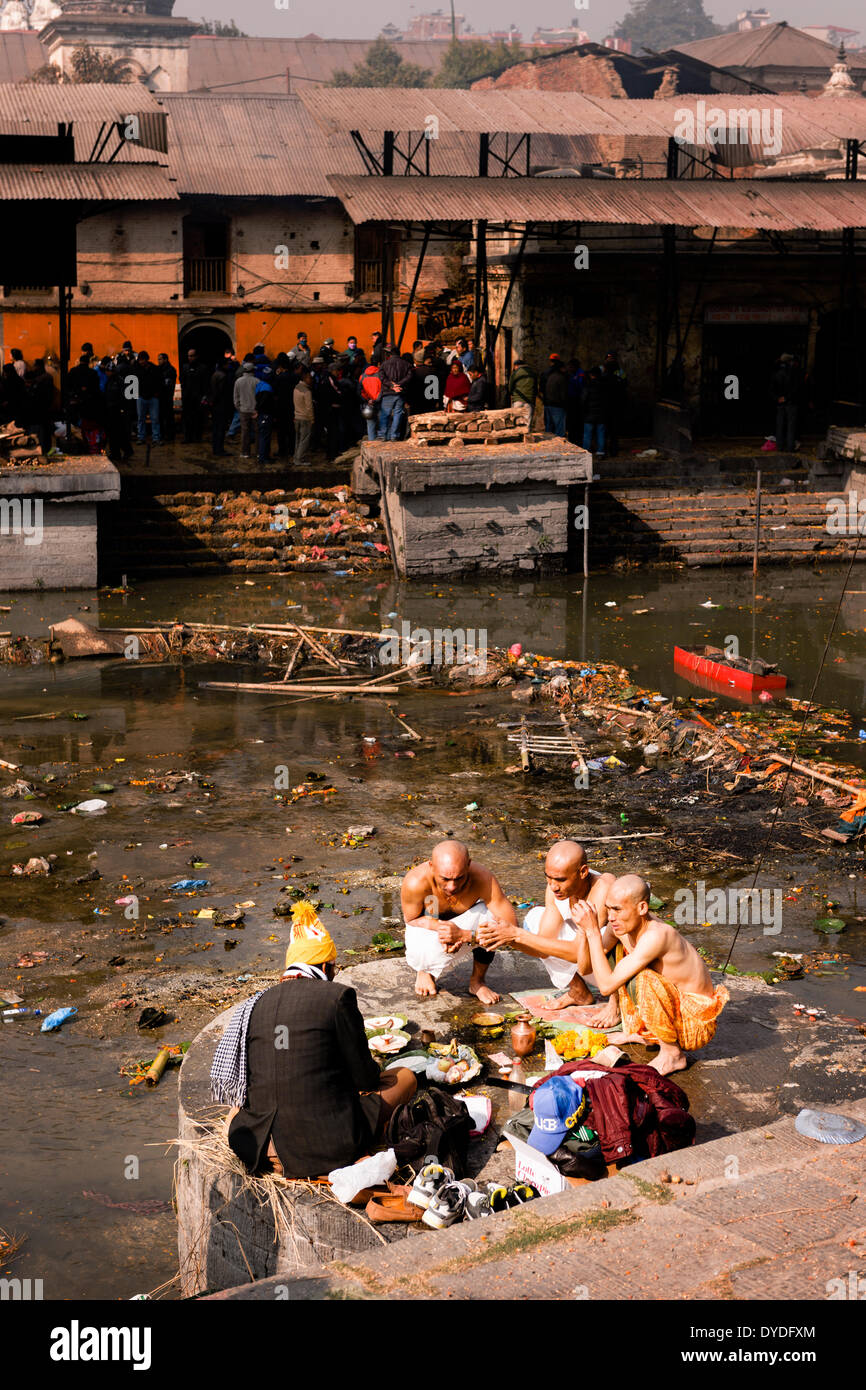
{"points": [[9, 1014]]}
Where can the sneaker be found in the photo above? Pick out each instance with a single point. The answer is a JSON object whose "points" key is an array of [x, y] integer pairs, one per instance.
{"points": [[449, 1204], [430, 1177], [523, 1192], [499, 1198], [477, 1205]]}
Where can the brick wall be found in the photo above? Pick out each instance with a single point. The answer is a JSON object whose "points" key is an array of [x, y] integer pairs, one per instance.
{"points": [[64, 558]]}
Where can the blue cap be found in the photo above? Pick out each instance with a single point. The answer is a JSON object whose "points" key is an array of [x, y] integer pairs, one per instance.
{"points": [[558, 1106]]}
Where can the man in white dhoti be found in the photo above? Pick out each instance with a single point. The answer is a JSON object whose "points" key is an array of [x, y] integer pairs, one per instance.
{"points": [[444, 902], [551, 933]]}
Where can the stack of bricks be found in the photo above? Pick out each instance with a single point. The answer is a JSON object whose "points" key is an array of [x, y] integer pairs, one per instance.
{"points": [[19, 446], [458, 428]]}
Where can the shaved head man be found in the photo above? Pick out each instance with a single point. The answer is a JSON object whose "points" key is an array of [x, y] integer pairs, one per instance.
{"points": [[551, 933], [671, 1001], [444, 901]]}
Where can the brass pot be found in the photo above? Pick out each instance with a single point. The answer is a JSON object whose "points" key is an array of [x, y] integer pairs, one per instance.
{"points": [[523, 1036]]}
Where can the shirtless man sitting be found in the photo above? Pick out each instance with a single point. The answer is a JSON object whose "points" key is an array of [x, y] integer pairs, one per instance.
{"points": [[444, 901], [662, 985], [551, 932]]}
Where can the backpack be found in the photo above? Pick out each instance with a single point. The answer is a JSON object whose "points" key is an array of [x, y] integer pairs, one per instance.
{"points": [[371, 385], [432, 1122]]}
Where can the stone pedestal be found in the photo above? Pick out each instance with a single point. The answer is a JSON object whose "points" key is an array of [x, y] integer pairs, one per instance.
{"points": [[48, 522], [464, 509]]}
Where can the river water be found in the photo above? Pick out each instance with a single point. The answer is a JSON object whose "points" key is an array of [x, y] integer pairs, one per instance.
{"points": [[73, 1125]]}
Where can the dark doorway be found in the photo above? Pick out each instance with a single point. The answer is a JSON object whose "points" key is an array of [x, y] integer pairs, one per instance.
{"points": [[839, 377], [749, 352], [209, 341]]}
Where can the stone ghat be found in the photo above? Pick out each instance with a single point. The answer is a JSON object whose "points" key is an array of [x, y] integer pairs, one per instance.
{"points": [[644, 525], [319, 529]]}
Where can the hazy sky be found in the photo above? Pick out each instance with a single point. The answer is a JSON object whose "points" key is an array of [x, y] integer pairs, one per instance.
{"points": [[364, 18]]}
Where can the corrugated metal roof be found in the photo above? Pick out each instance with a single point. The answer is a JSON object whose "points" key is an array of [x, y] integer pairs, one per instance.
{"points": [[262, 64], [21, 54], [135, 183], [248, 147], [102, 101], [375, 109], [637, 202]]}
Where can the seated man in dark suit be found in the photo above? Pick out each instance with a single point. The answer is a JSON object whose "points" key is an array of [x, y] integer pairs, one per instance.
{"points": [[315, 1098]]}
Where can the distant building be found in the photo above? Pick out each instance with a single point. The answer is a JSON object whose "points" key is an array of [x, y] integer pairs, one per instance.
{"points": [[618, 45], [775, 56], [752, 19], [436, 25], [545, 38], [831, 33]]}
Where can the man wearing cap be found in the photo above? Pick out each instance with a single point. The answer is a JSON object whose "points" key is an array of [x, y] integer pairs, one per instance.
{"points": [[551, 933], [326, 351], [444, 901], [663, 987], [313, 1098]]}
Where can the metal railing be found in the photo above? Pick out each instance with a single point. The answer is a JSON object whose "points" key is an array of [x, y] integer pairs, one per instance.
{"points": [[205, 275]]}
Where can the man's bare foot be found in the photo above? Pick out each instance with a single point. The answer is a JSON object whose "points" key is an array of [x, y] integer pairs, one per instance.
{"points": [[670, 1059], [425, 985], [483, 993], [597, 1016]]}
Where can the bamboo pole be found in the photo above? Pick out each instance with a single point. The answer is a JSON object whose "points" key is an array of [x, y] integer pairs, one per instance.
{"points": [[316, 646], [410, 731], [295, 654], [805, 771], [160, 1062], [525, 762], [271, 687]]}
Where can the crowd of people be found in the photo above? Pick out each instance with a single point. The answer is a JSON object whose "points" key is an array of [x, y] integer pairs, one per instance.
{"points": [[583, 405], [294, 403]]}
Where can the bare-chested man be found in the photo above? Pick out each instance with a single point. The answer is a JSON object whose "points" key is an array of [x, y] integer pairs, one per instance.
{"points": [[444, 901], [663, 988], [551, 932]]}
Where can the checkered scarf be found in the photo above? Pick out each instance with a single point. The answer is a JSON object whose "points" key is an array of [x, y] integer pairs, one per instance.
{"points": [[228, 1073]]}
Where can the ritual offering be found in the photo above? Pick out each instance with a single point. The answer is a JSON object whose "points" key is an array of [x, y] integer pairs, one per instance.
{"points": [[391, 1042], [579, 1043], [453, 1065], [384, 1023]]}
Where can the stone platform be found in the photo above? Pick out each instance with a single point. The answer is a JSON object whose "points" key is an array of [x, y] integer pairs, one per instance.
{"points": [[468, 508], [48, 521]]}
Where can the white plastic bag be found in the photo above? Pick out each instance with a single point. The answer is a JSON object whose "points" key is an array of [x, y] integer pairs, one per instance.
{"points": [[367, 1172]]}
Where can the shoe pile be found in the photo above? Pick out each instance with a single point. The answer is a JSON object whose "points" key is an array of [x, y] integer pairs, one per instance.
{"points": [[446, 1199]]}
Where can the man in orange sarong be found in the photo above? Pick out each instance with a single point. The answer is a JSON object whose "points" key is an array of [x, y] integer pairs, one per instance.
{"points": [[662, 985]]}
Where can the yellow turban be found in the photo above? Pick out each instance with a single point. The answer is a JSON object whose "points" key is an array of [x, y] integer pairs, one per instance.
{"points": [[311, 943]]}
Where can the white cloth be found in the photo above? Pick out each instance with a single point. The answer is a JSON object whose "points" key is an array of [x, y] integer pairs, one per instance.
{"points": [[346, 1183], [424, 950], [561, 972]]}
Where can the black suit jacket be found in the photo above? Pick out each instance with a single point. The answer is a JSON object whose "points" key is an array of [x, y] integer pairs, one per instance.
{"points": [[305, 1093]]}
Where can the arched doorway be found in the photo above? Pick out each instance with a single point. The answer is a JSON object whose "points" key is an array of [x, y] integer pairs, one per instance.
{"points": [[210, 341]]}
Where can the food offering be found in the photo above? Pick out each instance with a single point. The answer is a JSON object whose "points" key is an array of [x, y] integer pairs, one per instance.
{"points": [[389, 1043], [384, 1023], [578, 1043], [453, 1065]]}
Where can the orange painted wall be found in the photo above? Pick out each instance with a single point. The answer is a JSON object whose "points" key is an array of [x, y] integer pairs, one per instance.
{"points": [[36, 333], [279, 331]]}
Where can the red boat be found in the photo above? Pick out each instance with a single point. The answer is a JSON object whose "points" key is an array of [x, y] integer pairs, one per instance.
{"points": [[711, 662]]}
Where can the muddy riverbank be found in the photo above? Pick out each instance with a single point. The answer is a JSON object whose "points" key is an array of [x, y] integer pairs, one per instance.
{"points": [[236, 825]]}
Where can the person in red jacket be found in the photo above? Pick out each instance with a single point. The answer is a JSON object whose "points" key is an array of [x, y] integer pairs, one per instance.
{"points": [[457, 386]]}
